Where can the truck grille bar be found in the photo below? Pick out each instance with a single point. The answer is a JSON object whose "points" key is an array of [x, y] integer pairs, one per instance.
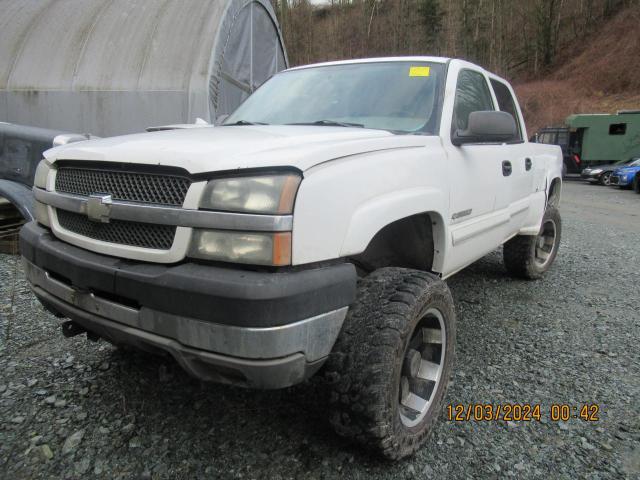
{"points": [[166, 215], [157, 189]]}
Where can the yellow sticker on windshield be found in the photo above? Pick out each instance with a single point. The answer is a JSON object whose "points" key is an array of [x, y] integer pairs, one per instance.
{"points": [[419, 71]]}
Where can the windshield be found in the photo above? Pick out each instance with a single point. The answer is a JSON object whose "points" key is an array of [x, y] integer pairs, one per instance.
{"points": [[635, 163], [402, 97]]}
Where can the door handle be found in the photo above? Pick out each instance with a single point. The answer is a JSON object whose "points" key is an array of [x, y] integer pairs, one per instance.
{"points": [[527, 164], [506, 168]]}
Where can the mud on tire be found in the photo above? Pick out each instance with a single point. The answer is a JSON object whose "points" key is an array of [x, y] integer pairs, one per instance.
{"points": [[388, 351]]}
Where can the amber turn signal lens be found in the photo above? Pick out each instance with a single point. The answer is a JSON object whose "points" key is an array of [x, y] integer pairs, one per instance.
{"points": [[282, 249]]}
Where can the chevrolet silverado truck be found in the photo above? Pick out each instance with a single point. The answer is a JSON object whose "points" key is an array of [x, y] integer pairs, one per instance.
{"points": [[314, 227]]}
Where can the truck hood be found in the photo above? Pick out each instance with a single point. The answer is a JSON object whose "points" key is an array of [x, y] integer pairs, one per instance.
{"points": [[209, 149]]}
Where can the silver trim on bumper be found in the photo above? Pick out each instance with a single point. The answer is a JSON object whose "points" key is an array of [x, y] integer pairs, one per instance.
{"points": [[181, 217], [313, 337]]}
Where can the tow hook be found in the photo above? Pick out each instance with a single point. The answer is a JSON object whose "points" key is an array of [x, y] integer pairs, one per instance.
{"points": [[71, 329]]}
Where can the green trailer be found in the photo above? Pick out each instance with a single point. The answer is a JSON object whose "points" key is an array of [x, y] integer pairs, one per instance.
{"points": [[604, 138]]}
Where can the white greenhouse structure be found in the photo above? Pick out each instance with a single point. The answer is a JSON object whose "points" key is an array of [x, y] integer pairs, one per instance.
{"points": [[119, 66]]}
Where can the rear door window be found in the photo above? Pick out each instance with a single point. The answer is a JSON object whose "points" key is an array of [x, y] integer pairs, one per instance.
{"points": [[506, 103]]}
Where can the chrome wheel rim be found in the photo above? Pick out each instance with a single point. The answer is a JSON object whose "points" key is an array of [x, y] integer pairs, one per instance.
{"points": [[422, 368], [606, 178], [545, 243]]}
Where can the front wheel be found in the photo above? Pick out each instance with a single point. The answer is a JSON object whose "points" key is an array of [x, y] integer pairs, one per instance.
{"points": [[636, 183], [605, 179], [391, 363], [530, 256]]}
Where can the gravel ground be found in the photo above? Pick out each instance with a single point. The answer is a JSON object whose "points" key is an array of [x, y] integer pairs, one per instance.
{"points": [[70, 408]]}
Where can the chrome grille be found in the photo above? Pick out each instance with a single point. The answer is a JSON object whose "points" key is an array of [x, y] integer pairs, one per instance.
{"points": [[145, 235], [153, 188]]}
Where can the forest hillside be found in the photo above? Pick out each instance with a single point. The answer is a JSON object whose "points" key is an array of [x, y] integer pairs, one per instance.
{"points": [[601, 75], [563, 56]]}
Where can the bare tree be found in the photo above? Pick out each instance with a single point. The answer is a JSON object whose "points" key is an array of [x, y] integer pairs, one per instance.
{"points": [[504, 35]]}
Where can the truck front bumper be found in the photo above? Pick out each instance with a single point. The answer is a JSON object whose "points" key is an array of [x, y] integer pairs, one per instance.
{"points": [[256, 329]]}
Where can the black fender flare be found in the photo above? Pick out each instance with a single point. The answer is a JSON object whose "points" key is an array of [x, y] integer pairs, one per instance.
{"points": [[20, 196]]}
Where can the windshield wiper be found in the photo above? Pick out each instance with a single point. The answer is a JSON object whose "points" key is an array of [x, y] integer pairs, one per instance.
{"points": [[330, 123], [245, 122]]}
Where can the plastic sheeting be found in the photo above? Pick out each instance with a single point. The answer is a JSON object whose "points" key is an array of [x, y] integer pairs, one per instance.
{"points": [[118, 66]]}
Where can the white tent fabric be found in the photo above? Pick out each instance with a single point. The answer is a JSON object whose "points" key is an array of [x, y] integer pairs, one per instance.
{"points": [[109, 67]]}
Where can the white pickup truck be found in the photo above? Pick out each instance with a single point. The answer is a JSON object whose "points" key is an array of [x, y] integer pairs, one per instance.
{"points": [[315, 226]]}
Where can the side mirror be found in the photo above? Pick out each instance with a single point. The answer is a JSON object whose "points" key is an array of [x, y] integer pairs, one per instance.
{"points": [[486, 127]]}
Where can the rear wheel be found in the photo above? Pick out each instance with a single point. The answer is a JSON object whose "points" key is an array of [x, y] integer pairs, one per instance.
{"points": [[605, 179], [391, 364], [530, 256]]}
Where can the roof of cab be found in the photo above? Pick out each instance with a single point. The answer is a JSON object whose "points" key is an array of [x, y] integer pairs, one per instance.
{"points": [[375, 60]]}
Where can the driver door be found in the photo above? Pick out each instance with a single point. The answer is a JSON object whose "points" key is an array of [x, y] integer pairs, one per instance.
{"points": [[477, 224]]}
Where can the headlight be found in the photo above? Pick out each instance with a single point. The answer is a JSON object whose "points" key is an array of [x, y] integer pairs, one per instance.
{"points": [[596, 171], [242, 247], [41, 213], [267, 194], [42, 172]]}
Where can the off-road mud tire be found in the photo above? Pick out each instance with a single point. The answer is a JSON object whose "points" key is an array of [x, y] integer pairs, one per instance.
{"points": [[364, 369], [519, 253]]}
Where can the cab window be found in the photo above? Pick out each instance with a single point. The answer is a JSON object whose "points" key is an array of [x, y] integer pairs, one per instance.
{"points": [[506, 103], [472, 95]]}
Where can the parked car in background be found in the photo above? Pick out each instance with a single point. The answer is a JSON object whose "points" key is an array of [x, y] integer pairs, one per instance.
{"points": [[627, 176], [602, 173]]}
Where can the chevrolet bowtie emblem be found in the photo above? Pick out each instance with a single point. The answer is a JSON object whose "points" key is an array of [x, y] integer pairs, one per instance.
{"points": [[99, 208]]}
